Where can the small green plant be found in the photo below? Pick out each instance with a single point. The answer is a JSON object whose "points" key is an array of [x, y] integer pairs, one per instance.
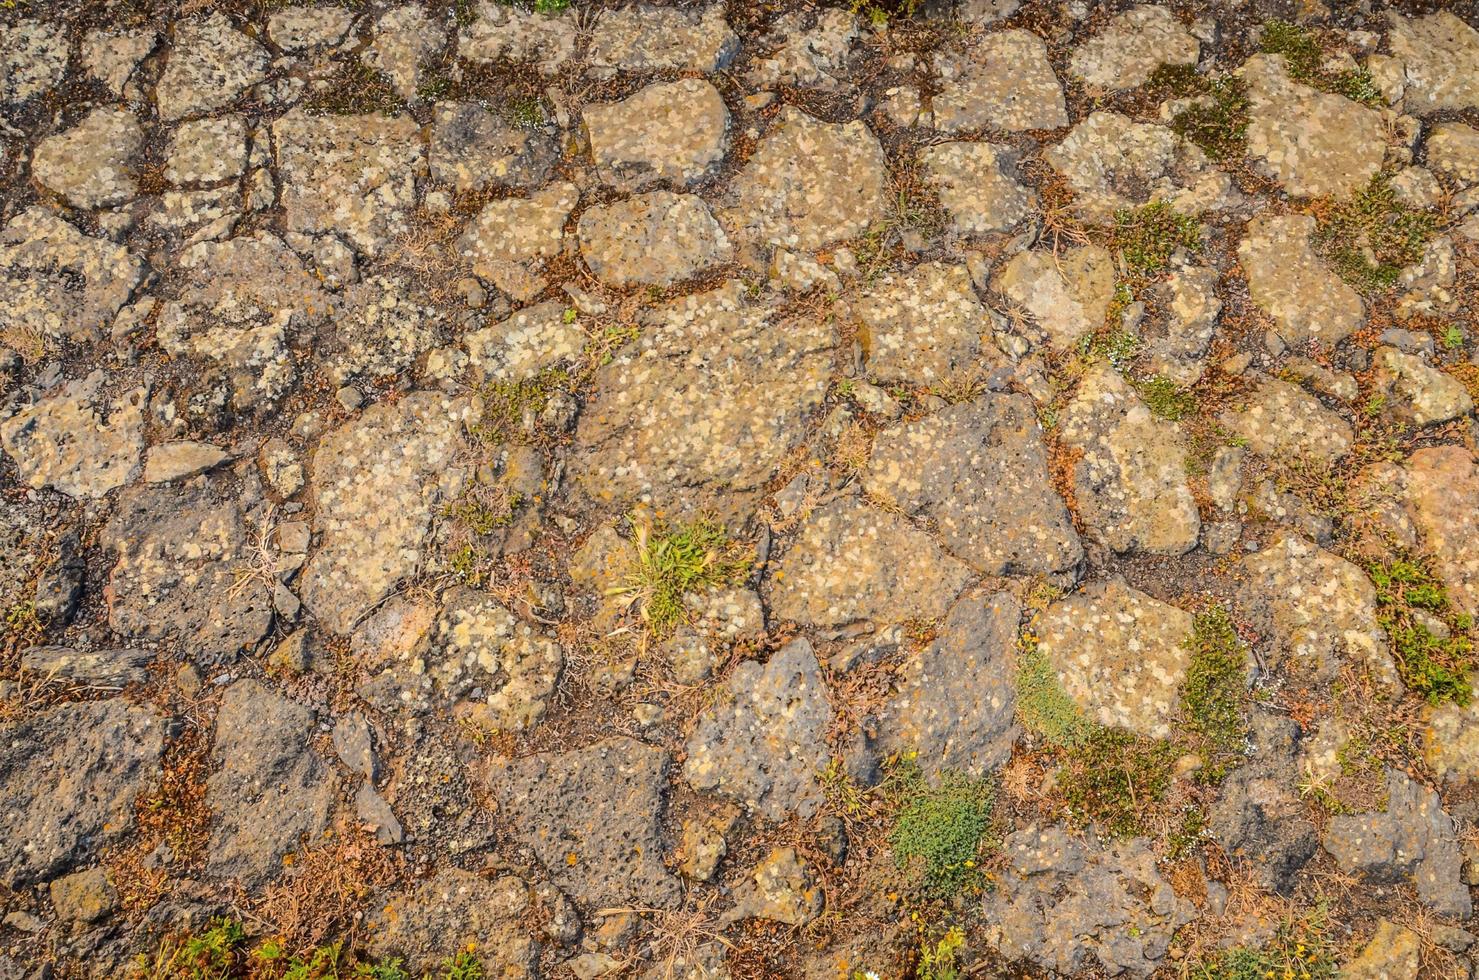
{"points": [[1042, 704], [1303, 57], [525, 112], [511, 409], [1453, 337], [939, 828], [939, 959], [1409, 598], [1372, 237], [879, 12], [23, 624], [463, 966], [1212, 694], [216, 953], [1165, 400], [485, 509], [1119, 347], [1216, 115], [1111, 777], [1300, 949], [1147, 237], [669, 563]]}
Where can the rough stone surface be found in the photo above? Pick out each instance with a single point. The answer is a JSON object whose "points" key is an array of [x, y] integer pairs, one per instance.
{"points": [[1004, 81], [1418, 392], [512, 239], [781, 888], [1393, 953], [852, 562], [453, 911], [673, 132], [652, 239], [473, 148], [1066, 295], [1442, 492], [810, 183], [1440, 59], [645, 38], [499, 31], [518, 348], [78, 441], [923, 326], [94, 759], [1453, 150], [592, 817], [60, 283], [92, 164], [1132, 46], [978, 473], [975, 186], [33, 58], [1292, 284], [1280, 419], [210, 64], [1412, 839], [1119, 653], [1130, 474]]}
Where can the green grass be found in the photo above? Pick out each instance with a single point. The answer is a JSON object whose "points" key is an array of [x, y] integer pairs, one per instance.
{"points": [[1217, 117], [1147, 237], [1212, 694], [1043, 705], [1113, 776], [1304, 57], [1372, 237], [1432, 666], [939, 829], [669, 563]]}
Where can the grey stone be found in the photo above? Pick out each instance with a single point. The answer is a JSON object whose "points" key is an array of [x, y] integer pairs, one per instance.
{"points": [[208, 151], [473, 149], [96, 668], [72, 774], [1440, 57], [372, 810], [169, 462], [500, 32], [1453, 150], [1175, 346], [807, 52], [1003, 81], [33, 58], [1119, 653], [1292, 284], [512, 239], [978, 472], [383, 324], [652, 239], [529, 341], [923, 326], [1280, 420], [1393, 953], [647, 38], [272, 793], [781, 888], [93, 164], [353, 745], [673, 132], [763, 742], [1259, 816], [454, 911], [60, 283], [1416, 391], [850, 562], [85, 896], [1130, 474], [210, 64], [402, 40], [1412, 839], [593, 818], [305, 28]]}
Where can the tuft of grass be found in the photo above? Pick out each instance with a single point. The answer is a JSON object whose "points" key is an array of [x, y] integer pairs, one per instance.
{"points": [[1113, 776], [668, 563], [939, 829], [1147, 237], [1435, 667], [1216, 118], [1372, 237], [1453, 337], [1303, 58], [1164, 399], [1212, 694], [1043, 705]]}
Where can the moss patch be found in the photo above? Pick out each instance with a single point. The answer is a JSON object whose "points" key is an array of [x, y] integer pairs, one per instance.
{"points": [[1215, 118], [1372, 237], [1212, 694], [1414, 609], [1112, 777], [939, 829], [1042, 704], [1305, 59], [1147, 237]]}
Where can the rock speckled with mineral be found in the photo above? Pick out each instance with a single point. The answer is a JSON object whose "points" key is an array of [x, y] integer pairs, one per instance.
{"points": [[720, 490]]}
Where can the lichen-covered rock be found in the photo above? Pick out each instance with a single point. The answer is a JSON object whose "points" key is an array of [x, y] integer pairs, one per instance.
{"points": [[646, 38], [1393, 953], [1067, 906], [764, 742], [708, 400], [1003, 81], [1132, 46], [456, 911], [1066, 294], [473, 149], [1413, 839], [273, 793], [673, 132], [78, 440], [355, 175], [93, 164], [974, 185], [384, 325], [1292, 284], [477, 662], [1176, 343], [519, 347], [956, 699], [1453, 150], [185, 574], [377, 483], [1451, 741], [33, 58], [60, 283], [923, 326], [1440, 60], [1119, 653], [512, 239], [781, 888], [504, 32], [71, 777], [304, 28], [1314, 143], [1443, 495], [210, 64], [208, 151], [807, 52], [652, 239], [403, 38], [1416, 391], [1130, 473], [1319, 608], [850, 562], [1280, 420], [978, 473], [1113, 162], [593, 818], [809, 183]]}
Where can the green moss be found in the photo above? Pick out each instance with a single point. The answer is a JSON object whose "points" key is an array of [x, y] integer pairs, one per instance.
{"points": [[1164, 399], [1372, 237], [1212, 694], [1113, 776], [940, 828], [669, 563], [1304, 58], [1147, 237], [1118, 347], [511, 409], [1215, 118], [1409, 598], [1043, 705]]}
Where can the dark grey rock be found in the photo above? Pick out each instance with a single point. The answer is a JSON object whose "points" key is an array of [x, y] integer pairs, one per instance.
{"points": [[104, 668], [456, 910], [59, 587], [1259, 817]]}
